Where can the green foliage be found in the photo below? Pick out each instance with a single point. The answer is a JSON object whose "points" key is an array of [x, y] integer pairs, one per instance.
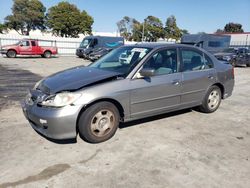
{"points": [[127, 26], [137, 31], [2, 28], [150, 30], [171, 29], [184, 32], [66, 20], [153, 29], [218, 31], [26, 15], [233, 28]]}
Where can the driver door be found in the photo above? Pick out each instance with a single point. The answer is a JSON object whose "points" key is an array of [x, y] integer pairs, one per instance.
{"points": [[161, 92], [25, 48]]}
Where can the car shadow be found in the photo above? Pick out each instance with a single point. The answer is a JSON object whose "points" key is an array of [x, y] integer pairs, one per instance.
{"points": [[121, 126], [153, 118], [15, 84]]}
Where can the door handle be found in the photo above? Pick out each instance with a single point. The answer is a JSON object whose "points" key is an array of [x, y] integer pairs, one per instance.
{"points": [[176, 82], [210, 76]]}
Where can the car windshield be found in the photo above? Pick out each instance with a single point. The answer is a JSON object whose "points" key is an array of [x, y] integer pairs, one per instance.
{"points": [[121, 60], [85, 43]]}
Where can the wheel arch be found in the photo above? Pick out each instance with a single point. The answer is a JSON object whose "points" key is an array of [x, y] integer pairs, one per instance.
{"points": [[113, 101], [12, 49], [222, 88], [47, 50]]}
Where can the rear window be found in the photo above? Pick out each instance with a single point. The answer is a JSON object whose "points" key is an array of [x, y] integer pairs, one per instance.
{"points": [[214, 44]]}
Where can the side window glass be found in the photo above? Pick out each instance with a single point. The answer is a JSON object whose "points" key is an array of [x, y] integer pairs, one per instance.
{"points": [[33, 43], [192, 60], [25, 43], [163, 62], [208, 62]]}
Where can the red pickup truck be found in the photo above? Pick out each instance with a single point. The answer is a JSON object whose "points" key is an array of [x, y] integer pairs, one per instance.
{"points": [[28, 47]]}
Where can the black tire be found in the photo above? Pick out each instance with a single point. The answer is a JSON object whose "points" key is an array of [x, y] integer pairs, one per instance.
{"points": [[248, 64], [207, 105], [91, 127], [233, 62], [11, 54], [47, 54]]}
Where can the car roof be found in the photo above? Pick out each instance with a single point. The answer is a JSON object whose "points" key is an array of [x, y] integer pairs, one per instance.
{"points": [[155, 45]]}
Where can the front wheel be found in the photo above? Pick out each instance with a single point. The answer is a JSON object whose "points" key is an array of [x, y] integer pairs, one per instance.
{"points": [[212, 100], [11, 54], [99, 122]]}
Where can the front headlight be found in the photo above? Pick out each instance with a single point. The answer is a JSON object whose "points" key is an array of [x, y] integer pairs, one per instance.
{"points": [[61, 99]]}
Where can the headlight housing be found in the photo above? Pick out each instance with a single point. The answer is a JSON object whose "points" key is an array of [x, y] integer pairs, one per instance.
{"points": [[61, 99]]}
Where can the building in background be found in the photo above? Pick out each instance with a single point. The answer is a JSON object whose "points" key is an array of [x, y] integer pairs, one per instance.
{"points": [[239, 39]]}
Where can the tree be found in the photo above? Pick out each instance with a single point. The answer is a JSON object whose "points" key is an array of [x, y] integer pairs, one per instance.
{"points": [[86, 23], [126, 26], [171, 29], [137, 31], [184, 32], [153, 29], [201, 32], [26, 15], [233, 28], [2, 28], [219, 31], [66, 20]]}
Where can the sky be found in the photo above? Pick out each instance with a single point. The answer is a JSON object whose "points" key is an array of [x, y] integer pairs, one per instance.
{"points": [[193, 15]]}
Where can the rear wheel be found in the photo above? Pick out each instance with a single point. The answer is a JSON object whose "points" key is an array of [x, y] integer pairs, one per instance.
{"points": [[99, 122], [212, 100], [11, 53], [47, 54]]}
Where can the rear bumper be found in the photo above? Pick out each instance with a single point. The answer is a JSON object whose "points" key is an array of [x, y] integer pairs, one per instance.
{"points": [[228, 86], [54, 123]]}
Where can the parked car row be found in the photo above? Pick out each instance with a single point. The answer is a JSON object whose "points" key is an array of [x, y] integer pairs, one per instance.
{"points": [[235, 56]]}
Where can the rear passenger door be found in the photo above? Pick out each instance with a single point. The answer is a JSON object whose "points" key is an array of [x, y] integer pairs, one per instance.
{"points": [[198, 74]]}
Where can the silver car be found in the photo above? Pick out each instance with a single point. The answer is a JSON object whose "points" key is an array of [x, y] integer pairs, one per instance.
{"points": [[156, 79]]}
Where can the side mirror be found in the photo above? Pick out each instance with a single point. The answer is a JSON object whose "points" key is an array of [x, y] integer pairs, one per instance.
{"points": [[147, 72], [21, 44]]}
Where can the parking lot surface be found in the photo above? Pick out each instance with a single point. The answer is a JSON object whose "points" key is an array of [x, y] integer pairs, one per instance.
{"points": [[181, 149]]}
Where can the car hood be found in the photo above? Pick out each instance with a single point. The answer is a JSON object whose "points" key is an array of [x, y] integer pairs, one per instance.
{"points": [[74, 79], [8, 46]]}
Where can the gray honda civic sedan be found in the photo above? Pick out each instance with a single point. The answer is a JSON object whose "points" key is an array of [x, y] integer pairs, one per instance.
{"points": [[129, 83]]}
